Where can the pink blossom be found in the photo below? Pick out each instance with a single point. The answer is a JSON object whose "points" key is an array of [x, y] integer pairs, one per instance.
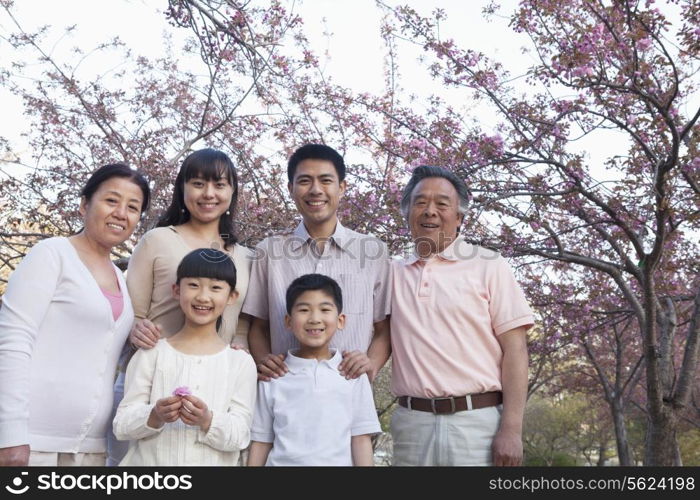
{"points": [[644, 43], [182, 391]]}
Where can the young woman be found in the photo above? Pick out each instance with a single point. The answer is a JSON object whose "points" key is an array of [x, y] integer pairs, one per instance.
{"points": [[65, 317], [201, 215]]}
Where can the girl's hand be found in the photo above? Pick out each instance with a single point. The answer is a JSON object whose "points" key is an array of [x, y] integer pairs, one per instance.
{"points": [[194, 411], [144, 334], [166, 410]]}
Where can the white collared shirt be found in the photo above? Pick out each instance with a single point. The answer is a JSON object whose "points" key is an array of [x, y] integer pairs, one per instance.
{"points": [[311, 413]]}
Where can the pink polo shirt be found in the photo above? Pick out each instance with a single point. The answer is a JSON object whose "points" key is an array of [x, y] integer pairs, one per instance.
{"points": [[446, 314]]}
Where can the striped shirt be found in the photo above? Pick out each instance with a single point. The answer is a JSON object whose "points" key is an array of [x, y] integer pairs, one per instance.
{"points": [[358, 262]]}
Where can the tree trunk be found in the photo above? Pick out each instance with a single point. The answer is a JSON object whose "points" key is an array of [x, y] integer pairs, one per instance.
{"points": [[624, 454], [602, 456], [661, 443], [661, 447]]}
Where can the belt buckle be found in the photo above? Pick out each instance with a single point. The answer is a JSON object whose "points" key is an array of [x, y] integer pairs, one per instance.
{"points": [[451, 399]]}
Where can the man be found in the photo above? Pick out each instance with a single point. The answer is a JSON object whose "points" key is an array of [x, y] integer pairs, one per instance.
{"points": [[458, 324], [320, 244]]}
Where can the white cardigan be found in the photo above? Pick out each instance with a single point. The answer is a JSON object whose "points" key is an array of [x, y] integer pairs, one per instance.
{"points": [[59, 347]]}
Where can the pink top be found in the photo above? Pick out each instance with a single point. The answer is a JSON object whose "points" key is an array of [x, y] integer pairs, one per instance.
{"points": [[446, 314], [116, 302]]}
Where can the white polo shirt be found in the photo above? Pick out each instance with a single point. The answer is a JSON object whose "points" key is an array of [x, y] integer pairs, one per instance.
{"points": [[311, 413]]}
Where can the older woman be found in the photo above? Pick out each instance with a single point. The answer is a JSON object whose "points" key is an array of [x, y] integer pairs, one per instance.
{"points": [[65, 317]]}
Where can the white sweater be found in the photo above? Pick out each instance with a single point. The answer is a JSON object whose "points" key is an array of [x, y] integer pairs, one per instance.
{"points": [[225, 381], [59, 347]]}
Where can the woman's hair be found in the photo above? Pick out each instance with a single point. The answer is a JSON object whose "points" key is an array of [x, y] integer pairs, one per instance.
{"points": [[209, 164], [122, 170], [208, 263]]}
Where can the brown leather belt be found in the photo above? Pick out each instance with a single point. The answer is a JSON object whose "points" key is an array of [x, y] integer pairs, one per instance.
{"points": [[453, 403]]}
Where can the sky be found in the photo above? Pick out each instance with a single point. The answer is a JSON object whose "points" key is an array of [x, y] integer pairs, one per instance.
{"points": [[354, 43]]}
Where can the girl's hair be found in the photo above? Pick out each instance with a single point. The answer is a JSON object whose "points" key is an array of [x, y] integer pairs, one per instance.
{"points": [[122, 170], [209, 164], [208, 263]]}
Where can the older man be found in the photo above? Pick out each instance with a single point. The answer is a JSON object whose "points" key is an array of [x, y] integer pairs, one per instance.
{"points": [[458, 324]]}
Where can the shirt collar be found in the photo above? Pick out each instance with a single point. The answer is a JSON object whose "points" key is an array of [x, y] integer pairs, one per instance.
{"points": [[297, 364], [341, 236], [450, 253]]}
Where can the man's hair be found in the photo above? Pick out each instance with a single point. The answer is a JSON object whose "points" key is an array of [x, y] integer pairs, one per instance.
{"points": [[311, 282], [316, 152], [425, 172]]}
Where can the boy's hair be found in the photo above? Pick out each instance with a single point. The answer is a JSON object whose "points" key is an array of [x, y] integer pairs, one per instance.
{"points": [[207, 263], [310, 282], [316, 152]]}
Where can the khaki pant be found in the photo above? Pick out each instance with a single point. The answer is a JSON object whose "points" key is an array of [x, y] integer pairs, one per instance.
{"points": [[55, 459], [462, 438]]}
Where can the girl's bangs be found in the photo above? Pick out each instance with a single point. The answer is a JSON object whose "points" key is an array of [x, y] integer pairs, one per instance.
{"points": [[207, 263]]}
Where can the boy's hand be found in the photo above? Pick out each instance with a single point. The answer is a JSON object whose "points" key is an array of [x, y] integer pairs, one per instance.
{"points": [[144, 334], [354, 364], [194, 411], [272, 366], [166, 410]]}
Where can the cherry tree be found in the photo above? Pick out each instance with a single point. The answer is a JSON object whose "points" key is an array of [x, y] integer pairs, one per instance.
{"points": [[149, 113], [603, 67]]}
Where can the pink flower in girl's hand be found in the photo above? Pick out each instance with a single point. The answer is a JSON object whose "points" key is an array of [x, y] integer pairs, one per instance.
{"points": [[182, 391]]}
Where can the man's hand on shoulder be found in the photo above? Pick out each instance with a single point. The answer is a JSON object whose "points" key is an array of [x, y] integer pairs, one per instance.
{"points": [[354, 364], [271, 366]]}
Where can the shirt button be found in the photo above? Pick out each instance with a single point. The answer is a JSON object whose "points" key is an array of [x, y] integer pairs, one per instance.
{"points": [[425, 284]]}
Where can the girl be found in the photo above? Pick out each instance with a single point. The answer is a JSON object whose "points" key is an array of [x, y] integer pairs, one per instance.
{"points": [[189, 400], [201, 215], [64, 320]]}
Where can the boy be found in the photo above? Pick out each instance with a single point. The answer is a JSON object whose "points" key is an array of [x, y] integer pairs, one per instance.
{"points": [[313, 415]]}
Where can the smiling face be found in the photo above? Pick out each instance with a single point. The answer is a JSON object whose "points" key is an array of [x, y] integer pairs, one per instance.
{"points": [[207, 200], [112, 212], [313, 320], [434, 215], [203, 300], [316, 191]]}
